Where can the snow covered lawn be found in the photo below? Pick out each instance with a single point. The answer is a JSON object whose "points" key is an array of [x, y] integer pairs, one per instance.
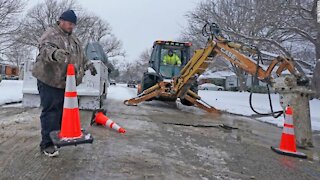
{"points": [[121, 92], [10, 91], [238, 103]]}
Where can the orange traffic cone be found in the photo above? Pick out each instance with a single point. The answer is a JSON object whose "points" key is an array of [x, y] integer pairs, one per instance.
{"points": [[288, 140], [70, 127], [100, 118], [71, 133]]}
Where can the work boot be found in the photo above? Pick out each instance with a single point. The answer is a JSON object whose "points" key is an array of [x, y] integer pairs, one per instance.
{"points": [[50, 151]]}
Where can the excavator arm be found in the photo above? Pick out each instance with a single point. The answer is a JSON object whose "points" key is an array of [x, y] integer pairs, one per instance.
{"points": [[216, 46], [231, 52]]}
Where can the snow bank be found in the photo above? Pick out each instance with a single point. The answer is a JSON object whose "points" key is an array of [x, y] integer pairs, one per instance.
{"points": [[238, 103], [10, 91], [121, 92]]}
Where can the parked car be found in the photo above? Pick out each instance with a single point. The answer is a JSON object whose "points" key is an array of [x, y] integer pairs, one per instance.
{"points": [[11, 77], [209, 86], [131, 84], [113, 82]]}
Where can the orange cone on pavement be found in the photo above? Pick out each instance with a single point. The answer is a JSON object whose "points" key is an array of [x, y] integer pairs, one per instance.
{"points": [[71, 133], [100, 118], [288, 140]]}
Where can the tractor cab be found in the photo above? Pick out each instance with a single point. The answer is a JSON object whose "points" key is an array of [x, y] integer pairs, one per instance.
{"points": [[168, 58]]}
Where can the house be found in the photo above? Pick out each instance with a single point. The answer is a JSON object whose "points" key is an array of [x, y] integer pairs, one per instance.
{"points": [[8, 69], [234, 82], [226, 79], [217, 78]]}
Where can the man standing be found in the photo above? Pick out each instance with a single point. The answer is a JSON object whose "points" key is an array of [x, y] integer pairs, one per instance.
{"points": [[58, 47], [171, 58]]}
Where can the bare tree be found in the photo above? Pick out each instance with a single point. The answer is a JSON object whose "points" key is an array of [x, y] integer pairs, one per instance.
{"points": [[89, 27], [46, 14], [144, 58], [9, 16], [272, 25], [128, 71], [113, 47], [93, 28], [142, 63], [17, 54], [134, 70], [299, 19]]}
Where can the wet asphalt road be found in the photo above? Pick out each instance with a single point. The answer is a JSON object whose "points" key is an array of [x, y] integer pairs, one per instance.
{"points": [[153, 148]]}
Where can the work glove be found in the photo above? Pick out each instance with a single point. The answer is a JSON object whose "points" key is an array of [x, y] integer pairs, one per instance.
{"points": [[60, 55], [92, 69]]}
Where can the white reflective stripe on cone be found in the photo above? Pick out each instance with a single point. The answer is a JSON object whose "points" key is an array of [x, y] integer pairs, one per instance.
{"points": [[71, 84], [288, 119], [116, 127], [287, 130], [70, 102], [109, 122]]}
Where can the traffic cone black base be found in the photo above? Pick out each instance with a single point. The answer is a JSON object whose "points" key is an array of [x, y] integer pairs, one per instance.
{"points": [[60, 142], [287, 153]]}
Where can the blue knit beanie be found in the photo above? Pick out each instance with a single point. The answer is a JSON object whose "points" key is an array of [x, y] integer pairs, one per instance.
{"points": [[70, 16]]}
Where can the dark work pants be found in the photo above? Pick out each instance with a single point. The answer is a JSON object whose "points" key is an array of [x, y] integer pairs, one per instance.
{"points": [[52, 107]]}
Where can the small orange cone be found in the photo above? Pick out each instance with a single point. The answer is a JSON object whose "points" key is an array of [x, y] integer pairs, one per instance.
{"points": [[288, 140], [71, 133], [100, 118]]}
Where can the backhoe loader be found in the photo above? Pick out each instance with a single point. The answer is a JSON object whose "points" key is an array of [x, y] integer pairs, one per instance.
{"points": [[168, 82]]}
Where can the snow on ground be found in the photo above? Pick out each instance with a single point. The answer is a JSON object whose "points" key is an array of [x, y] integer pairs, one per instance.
{"points": [[121, 92], [10, 91], [238, 103], [315, 114]]}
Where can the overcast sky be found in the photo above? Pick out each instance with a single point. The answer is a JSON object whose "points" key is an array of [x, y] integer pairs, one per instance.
{"points": [[140, 22]]}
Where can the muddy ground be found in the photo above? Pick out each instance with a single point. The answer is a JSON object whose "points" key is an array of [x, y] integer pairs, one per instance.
{"points": [[153, 147]]}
